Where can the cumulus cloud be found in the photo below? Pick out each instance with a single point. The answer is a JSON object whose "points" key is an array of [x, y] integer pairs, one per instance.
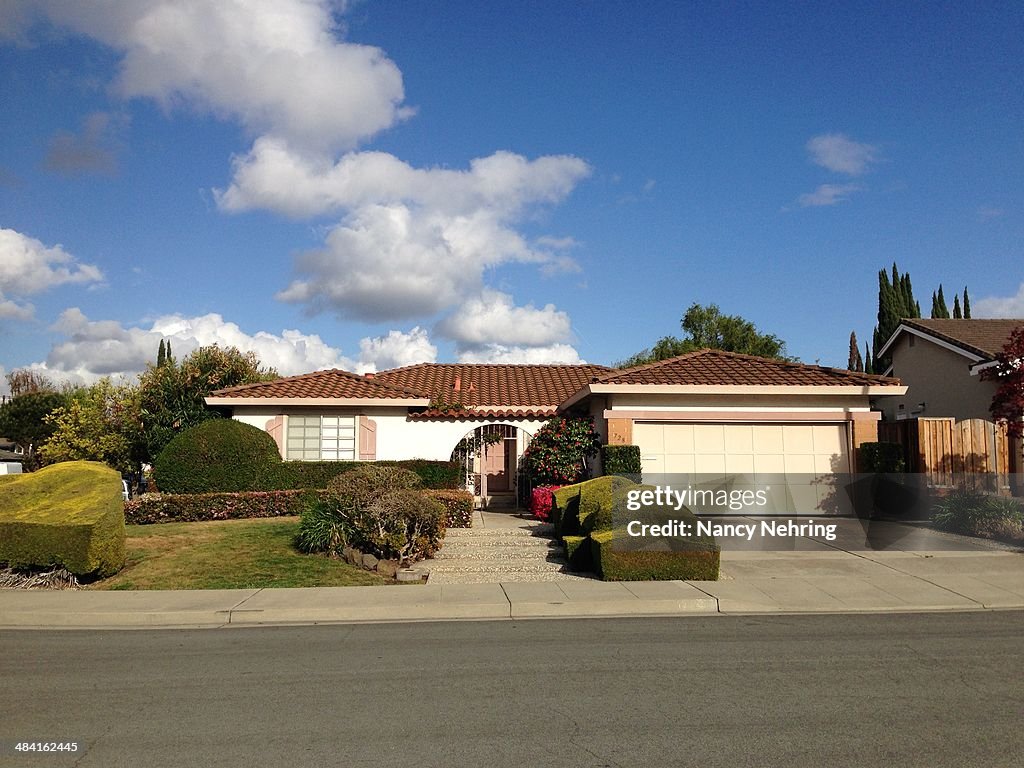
{"points": [[841, 154], [276, 66], [91, 151], [493, 318], [828, 194], [29, 267], [1000, 306], [499, 353], [96, 348], [411, 242], [397, 349], [407, 243]]}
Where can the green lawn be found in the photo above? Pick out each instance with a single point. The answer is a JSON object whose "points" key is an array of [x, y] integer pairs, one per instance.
{"points": [[228, 554]]}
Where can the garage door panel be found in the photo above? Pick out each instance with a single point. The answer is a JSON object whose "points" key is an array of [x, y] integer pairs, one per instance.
{"points": [[767, 438], [801, 450]]}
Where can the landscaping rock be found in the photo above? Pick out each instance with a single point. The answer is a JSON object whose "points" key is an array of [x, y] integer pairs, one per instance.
{"points": [[408, 574], [388, 568], [352, 556], [370, 561]]}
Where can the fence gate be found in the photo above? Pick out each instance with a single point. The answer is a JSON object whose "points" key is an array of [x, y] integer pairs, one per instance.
{"points": [[974, 453]]}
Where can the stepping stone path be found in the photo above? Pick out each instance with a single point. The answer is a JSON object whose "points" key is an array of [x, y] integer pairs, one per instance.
{"points": [[500, 547]]}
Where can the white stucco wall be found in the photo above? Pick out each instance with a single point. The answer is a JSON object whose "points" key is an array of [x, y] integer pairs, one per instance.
{"points": [[397, 436]]}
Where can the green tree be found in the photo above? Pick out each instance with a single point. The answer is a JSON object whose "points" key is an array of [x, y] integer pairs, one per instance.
{"points": [[161, 355], [868, 364], [855, 361], [98, 423], [707, 327], [957, 313], [23, 420], [967, 305], [172, 395], [939, 308]]}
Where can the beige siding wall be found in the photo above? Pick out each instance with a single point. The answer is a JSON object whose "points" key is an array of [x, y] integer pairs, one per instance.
{"points": [[939, 378]]}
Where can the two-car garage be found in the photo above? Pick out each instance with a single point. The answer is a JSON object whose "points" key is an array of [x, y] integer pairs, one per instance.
{"points": [[727, 448]]}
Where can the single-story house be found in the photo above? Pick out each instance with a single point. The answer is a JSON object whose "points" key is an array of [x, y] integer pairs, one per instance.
{"points": [[939, 361], [707, 411]]}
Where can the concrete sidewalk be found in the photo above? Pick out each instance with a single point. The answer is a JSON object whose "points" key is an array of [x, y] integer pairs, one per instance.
{"points": [[819, 581]]}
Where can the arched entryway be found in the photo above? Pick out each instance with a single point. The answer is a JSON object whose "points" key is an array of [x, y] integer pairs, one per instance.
{"points": [[489, 455]]}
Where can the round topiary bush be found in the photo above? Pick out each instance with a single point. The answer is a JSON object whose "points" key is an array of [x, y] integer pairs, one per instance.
{"points": [[217, 456]]}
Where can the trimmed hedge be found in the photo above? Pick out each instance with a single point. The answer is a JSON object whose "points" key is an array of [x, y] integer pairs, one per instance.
{"points": [[216, 455], [565, 504], [577, 553], [458, 506], [68, 515], [883, 458], [224, 455], [196, 507], [621, 459], [694, 561], [597, 501]]}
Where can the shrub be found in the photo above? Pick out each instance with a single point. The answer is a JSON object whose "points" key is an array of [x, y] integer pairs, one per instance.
{"points": [[598, 499], [402, 525], [69, 515], [321, 528], [577, 553], [541, 500], [216, 455], [621, 459], [691, 560], [195, 507], [978, 514], [565, 504], [363, 484], [885, 458], [559, 451], [458, 506]]}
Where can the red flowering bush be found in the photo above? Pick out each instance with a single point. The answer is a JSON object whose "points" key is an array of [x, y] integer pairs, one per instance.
{"points": [[559, 451], [541, 500]]}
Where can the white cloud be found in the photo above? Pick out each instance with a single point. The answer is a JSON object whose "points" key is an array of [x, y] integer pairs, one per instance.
{"points": [[1000, 307], [28, 267], [412, 242], [841, 154], [396, 349], [106, 348], [96, 348], [499, 353], [276, 66], [828, 194], [493, 318]]}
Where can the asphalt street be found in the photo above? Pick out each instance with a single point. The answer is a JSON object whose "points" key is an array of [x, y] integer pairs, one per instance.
{"points": [[873, 690]]}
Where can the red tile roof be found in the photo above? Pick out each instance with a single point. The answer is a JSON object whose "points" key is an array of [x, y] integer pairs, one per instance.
{"points": [[322, 384], [494, 386], [711, 367], [985, 338], [474, 414]]}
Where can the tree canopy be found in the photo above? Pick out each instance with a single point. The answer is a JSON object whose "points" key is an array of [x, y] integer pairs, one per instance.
{"points": [[707, 327], [172, 395], [23, 419], [1008, 373]]}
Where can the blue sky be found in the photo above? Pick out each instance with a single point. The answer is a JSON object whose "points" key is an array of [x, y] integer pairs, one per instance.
{"points": [[389, 182]]}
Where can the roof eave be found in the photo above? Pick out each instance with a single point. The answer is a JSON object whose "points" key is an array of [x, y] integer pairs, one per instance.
{"points": [[740, 389], [324, 401]]}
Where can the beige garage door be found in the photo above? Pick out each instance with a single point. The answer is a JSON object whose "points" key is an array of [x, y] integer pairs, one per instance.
{"points": [[811, 449]]}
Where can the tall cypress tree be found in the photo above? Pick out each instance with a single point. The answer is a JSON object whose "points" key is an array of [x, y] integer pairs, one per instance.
{"points": [[957, 314], [935, 306], [868, 364], [943, 309], [169, 359], [967, 305], [161, 355], [855, 361]]}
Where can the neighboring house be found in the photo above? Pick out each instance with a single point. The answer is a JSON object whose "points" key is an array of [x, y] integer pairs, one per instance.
{"points": [[939, 360], [707, 411]]}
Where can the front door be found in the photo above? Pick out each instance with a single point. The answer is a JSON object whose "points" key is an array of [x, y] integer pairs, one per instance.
{"points": [[496, 468]]}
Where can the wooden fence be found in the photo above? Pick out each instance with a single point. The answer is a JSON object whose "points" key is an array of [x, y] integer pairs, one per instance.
{"points": [[974, 453]]}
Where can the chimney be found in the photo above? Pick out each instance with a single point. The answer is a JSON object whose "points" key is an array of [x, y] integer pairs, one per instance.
{"points": [[368, 375], [458, 383]]}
